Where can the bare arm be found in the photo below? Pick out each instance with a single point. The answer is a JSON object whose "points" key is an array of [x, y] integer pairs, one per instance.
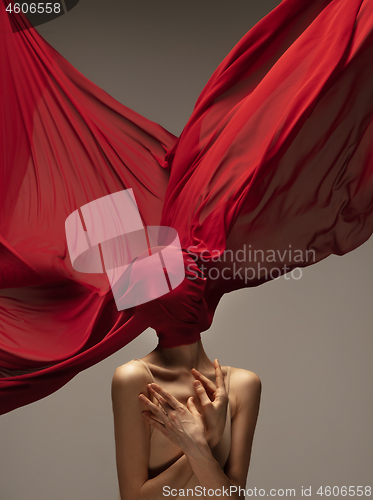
{"points": [[132, 435], [184, 426], [244, 421]]}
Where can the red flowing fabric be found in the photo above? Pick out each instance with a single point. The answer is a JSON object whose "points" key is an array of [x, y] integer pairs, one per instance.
{"points": [[277, 154]]}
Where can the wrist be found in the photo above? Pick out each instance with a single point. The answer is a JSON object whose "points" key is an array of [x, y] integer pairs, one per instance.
{"points": [[199, 451], [212, 440]]}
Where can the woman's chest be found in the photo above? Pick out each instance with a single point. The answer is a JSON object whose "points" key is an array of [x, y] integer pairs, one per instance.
{"points": [[163, 453]]}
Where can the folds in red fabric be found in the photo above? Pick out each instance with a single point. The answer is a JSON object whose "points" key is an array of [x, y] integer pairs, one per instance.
{"points": [[276, 158]]}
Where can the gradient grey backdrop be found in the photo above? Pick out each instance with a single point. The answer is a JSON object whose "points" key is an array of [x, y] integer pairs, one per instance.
{"points": [[310, 341]]}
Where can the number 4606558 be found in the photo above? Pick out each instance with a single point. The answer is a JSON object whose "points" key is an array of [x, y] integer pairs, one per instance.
{"points": [[33, 8]]}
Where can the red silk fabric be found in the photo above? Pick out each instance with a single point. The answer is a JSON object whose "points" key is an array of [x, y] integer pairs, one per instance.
{"points": [[277, 154]]}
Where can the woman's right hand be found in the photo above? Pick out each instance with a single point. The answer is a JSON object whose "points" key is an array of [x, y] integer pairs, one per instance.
{"points": [[214, 401]]}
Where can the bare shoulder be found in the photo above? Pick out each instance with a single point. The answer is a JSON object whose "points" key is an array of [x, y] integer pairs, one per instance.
{"points": [[244, 378], [245, 390], [132, 377]]}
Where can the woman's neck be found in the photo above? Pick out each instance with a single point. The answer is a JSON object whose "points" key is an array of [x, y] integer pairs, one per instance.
{"points": [[185, 356]]}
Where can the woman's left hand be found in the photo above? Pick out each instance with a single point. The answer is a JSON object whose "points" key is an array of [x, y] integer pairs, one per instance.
{"points": [[183, 425]]}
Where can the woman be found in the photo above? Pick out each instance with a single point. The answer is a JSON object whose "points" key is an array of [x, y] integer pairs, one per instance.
{"points": [[276, 158], [179, 420], [177, 415]]}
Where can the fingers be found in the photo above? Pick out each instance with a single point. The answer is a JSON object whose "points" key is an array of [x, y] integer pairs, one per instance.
{"points": [[219, 375], [167, 397], [201, 393], [157, 410], [159, 398], [154, 423], [192, 407], [209, 386]]}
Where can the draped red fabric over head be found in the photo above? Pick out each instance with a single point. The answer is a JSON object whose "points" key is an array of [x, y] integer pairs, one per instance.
{"points": [[277, 154]]}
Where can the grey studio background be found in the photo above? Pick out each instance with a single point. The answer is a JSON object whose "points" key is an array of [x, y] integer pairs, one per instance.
{"points": [[310, 340]]}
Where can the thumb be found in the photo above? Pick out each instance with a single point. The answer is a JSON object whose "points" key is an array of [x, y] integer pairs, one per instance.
{"points": [[192, 407], [201, 393]]}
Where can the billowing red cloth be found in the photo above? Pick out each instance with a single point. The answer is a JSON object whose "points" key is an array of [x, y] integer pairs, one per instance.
{"points": [[277, 155]]}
